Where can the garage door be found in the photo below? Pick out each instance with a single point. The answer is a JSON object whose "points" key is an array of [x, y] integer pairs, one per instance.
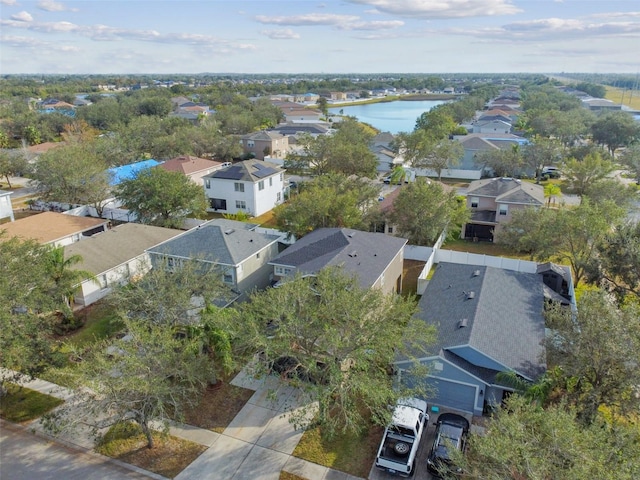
{"points": [[452, 395]]}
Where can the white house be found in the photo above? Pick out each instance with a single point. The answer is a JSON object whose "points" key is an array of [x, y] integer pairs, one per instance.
{"points": [[251, 186], [6, 210], [56, 229], [114, 257]]}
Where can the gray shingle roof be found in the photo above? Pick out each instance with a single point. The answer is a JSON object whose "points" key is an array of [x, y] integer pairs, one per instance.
{"points": [[504, 319], [364, 254], [508, 190], [221, 241]]}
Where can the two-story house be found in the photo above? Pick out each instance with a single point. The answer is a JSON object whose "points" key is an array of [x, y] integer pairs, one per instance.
{"points": [[375, 259], [193, 167], [492, 202], [251, 186], [265, 143]]}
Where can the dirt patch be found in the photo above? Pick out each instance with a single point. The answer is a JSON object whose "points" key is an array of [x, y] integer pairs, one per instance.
{"points": [[410, 271], [218, 406]]}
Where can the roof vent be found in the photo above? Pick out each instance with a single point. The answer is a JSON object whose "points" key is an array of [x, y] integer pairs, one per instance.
{"points": [[351, 234], [471, 295], [229, 231], [476, 273], [462, 323], [353, 254]]}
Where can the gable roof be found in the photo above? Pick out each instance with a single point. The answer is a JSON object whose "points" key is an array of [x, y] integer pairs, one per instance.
{"points": [[364, 254], [477, 143], [48, 227], [293, 128], [221, 241], [116, 246], [247, 171], [504, 319], [188, 165], [127, 172], [263, 135], [508, 190]]}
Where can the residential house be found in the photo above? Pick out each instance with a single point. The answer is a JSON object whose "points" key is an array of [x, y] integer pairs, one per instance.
{"points": [[128, 172], [474, 144], [489, 320], [374, 258], [53, 105], [495, 125], [339, 96], [250, 186], [492, 202], [6, 209], [265, 143], [54, 228], [387, 157], [114, 257], [302, 115], [241, 250], [193, 167]]}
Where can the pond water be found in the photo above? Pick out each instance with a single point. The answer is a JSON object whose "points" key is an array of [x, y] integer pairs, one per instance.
{"points": [[394, 117]]}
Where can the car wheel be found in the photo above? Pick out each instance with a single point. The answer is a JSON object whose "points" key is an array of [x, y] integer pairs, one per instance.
{"points": [[401, 448]]}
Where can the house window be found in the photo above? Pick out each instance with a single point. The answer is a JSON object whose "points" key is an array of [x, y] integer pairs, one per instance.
{"points": [[390, 230], [271, 181], [282, 177], [503, 209], [250, 143], [278, 196], [474, 202], [241, 204], [261, 185], [282, 271], [239, 187], [258, 255], [207, 183], [227, 277]]}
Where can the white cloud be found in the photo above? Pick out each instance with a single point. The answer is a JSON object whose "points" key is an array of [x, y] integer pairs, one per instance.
{"points": [[8, 2], [308, 19], [442, 8], [53, 6], [28, 42], [375, 25], [284, 34], [22, 17]]}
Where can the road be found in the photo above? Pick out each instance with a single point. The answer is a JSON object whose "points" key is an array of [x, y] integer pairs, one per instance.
{"points": [[29, 457]]}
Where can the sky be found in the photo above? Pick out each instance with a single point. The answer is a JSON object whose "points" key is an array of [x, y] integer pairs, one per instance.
{"points": [[319, 36]]}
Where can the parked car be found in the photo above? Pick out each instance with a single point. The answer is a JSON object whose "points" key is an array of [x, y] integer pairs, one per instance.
{"points": [[451, 432], [551, 172]]}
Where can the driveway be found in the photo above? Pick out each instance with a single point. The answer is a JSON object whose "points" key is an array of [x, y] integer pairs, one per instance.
{"points": [[29, 457]]}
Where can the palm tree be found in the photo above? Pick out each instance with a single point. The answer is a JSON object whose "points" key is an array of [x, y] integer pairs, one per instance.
{"points": [[65, 278], [398, 175], [551, 190]]}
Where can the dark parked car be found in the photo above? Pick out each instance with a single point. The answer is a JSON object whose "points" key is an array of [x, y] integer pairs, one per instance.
{"points": [[451, 432]]}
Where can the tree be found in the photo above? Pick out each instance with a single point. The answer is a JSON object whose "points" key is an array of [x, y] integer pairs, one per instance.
{"points": [[171, 295], [422, 151], [564, 235], [584, 174], [32, 135], [615, 130], [423, 210], [73, 174], [148, 375], [329, 201], [346, 152], [596, 350], [540, 152], [551, 191], [64, 276], [503, 163], [525, 441], [163, 198], [619, 259], [11, 165], [336, 341], [323, 106], [631, 158], [436, 124], [26, 301]]}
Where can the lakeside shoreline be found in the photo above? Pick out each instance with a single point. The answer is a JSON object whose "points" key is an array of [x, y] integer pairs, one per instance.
{"points": [[394, 98]]}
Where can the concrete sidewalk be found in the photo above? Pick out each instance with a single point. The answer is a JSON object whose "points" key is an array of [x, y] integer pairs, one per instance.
{"points": [[258, 443]]}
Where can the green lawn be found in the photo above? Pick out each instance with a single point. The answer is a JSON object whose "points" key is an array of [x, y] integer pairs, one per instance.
{"points": [[485, 248], [23, 404], [99, 322]]}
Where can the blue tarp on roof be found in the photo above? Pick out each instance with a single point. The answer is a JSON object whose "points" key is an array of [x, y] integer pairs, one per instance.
{"points": [[127, 172]]}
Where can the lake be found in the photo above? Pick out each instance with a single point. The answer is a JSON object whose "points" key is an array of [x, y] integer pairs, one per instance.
{"points": [[394, 117]]}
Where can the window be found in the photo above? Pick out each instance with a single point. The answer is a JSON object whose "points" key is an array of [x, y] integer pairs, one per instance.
{"points": [[474, 202], [207, 183], [283, 271], [503, 209], [258, 255], [250, 143], [239, 187], [103, 281], [278, 196], [390, 229], [241, 204], [282, 177], [271, 181], [261, 185], [227, 277]]}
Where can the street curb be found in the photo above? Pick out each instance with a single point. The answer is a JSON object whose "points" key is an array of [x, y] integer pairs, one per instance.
{"points": [[27, 428]]}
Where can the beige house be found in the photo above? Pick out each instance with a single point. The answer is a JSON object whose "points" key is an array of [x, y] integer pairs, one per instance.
{"points": [[193, 167], [492, 202], [114, 257], [6, 209], [265, 143]]}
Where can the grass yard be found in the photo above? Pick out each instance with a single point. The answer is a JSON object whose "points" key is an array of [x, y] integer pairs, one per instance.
{"points": [[23, 404], [348, 453], [265, 220], [218, 406], [290, 476], [98, 322], [630, 98], [169, 456], [410, 271]]}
